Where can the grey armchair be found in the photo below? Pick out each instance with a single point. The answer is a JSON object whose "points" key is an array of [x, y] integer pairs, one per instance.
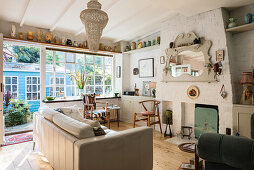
{"points": [[223, 152]]}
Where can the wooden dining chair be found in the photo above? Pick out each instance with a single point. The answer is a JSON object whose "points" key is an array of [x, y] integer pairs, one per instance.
{"points": [[93, 111], [148, 114]]}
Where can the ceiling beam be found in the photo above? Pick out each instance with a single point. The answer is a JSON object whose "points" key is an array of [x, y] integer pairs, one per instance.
{"points": [[63, 13], [106, 9], [148, 27], [28, 7]]}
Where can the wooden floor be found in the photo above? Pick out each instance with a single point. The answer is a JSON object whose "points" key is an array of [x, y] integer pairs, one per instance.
{"points": [[21, 156]]}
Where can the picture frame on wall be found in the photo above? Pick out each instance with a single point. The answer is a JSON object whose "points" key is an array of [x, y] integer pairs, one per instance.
{"points": [[118, 72], [146, 91], [146, 68]]}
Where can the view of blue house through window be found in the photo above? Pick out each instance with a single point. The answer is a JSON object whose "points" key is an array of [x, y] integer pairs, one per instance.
{"points": [[21, 73]]}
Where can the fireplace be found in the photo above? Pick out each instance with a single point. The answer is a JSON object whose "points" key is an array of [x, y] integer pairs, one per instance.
{"points": [[206, 119]]}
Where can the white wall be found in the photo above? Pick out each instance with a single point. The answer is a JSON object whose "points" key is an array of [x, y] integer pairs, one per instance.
{"points": [[209, 25]]}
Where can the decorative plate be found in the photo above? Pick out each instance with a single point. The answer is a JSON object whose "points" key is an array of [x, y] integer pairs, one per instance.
{"points": [[193, 92]]}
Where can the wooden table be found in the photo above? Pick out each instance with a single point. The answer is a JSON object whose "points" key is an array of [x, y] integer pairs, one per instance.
{"points": [[115, 109]]}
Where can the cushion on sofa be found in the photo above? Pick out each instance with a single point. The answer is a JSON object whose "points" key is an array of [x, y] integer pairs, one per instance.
{"points": [[74, 127], [72, 111], [47, 112]]}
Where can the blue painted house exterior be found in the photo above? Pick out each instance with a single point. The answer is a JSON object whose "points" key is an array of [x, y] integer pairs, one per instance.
{"points": [[21, 71]]}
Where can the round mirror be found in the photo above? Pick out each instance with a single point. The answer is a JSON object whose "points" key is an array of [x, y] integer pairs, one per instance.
{"points": [[187, 62]]}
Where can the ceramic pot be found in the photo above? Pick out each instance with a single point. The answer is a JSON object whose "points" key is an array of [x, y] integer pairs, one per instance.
{"points": [[30, 35], [248, 18], [133, 46], [232, 23]]}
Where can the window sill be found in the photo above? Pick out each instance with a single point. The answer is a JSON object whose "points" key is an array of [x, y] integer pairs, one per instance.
{"points": [[76, 99]]}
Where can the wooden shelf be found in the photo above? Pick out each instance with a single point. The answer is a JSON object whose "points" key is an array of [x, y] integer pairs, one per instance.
{"points": [[58, 46], [144, 49], [241, 28]]}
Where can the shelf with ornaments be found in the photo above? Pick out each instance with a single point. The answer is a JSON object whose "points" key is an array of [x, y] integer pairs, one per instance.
{"points": [[59, 46]]}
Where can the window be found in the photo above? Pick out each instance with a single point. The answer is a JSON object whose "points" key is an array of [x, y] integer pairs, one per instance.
{"points": [[33, 88], [11, 85], [60, 65]]}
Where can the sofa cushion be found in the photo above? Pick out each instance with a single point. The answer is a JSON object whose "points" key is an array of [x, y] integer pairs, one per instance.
{"points": [[72, 111], [47, 112], [74, 127]]}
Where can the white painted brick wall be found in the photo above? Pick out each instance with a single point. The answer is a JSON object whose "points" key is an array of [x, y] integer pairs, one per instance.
{"points": [[211, 26]]}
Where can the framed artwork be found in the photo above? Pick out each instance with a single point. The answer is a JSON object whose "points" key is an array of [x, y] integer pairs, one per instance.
{"points": [[193, 92], [146, 68], [162, 60], [146, 90], [220, 55], [118, 72]]}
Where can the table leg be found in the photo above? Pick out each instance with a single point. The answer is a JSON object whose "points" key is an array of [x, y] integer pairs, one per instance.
{"points": [[196, 159], [117, 115], [109, 120]]}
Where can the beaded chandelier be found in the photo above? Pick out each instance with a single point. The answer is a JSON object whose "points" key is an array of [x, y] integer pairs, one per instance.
{"points": [[95, 20]]}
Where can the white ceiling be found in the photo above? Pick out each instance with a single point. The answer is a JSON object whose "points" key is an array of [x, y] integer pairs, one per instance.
{"points": [[127, 18]]}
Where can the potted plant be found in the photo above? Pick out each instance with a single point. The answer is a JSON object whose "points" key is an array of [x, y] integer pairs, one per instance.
{"points": [[80, 79]]}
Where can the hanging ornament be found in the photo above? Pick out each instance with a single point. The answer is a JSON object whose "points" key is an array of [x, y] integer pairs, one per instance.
{"points": [[95, 20]]}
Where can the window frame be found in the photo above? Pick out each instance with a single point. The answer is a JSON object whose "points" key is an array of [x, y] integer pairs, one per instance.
{"points": [[38, 84], [65, 74], [11, 85]]}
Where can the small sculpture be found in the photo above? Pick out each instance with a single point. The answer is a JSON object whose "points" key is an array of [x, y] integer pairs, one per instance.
{"points": [[13, 31], [75, 43], [21, 35], [197, 41], [133, 46], [140, 45], [63, 41], [232, 23], [136, 91], [171, 45], [69, 42], [48, 37], [39, 35]]}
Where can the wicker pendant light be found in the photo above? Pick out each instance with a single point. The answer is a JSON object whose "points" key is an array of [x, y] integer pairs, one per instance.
{"points": [[95, 20]]}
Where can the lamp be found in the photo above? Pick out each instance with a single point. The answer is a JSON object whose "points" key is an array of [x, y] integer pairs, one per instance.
{"points": [[152, 85], [247, 81], [95, 20]]}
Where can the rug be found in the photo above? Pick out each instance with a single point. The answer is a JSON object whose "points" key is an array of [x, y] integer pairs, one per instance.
{"points": [[178, 140], [18, 138]]}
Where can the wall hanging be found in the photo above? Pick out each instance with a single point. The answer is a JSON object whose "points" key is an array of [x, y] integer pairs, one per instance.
{"points": [[193, 92], [146, 68], [135, 71]]}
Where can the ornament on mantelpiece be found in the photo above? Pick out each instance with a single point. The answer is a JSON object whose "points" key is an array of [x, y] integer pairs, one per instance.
{"points": [[13, 31], [247, 96]]}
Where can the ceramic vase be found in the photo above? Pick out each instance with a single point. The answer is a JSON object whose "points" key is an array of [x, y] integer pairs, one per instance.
{"points": [[232, 23]]}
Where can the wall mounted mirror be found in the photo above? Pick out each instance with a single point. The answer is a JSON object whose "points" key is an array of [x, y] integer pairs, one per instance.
{"points": [[188, 60]]}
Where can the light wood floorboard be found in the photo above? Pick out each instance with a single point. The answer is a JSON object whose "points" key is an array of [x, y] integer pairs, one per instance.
{"points": [[21, 156]]}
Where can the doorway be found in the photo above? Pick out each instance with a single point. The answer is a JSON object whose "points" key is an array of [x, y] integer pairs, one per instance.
{"points": [[21, 90]]}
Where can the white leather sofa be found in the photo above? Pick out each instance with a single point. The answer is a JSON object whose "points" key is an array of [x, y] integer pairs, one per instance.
{"points": [[126, 150]]}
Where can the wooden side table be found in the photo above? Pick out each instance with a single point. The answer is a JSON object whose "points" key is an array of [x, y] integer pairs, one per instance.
{"points": [[115, 109]]}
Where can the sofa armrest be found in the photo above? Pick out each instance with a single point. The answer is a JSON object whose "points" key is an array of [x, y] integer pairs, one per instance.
{"points": [[129, 149]]}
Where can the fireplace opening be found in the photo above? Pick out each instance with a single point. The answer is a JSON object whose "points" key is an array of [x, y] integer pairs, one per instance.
{"points": [[206, 119]]}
